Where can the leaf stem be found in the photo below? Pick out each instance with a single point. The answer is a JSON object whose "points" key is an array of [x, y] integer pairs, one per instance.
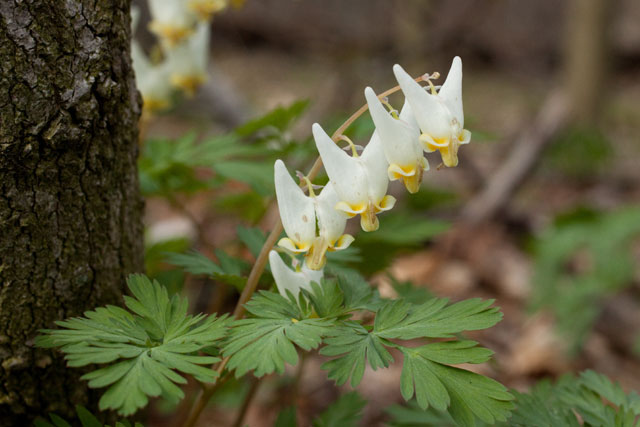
{"points": [[246, 402], [261, 262]]}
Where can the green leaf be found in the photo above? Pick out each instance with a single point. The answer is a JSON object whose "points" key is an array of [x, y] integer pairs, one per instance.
{"points": [[197, 263], [357, 292], [433, 319], [258, 175], [279, 118], [87, 419], [147, 345], [354, 346], [327, 298], [463, 393], [344, 412], [194, 262], [264, 342], [253, 238]]}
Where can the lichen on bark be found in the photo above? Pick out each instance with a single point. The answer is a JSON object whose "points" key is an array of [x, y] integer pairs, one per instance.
{"points": [[70, 210]]}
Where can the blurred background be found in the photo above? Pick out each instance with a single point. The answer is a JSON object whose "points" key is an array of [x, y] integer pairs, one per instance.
{"points": [[542, 214]]}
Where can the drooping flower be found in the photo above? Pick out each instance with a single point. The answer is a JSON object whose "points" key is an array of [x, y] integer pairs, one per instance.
{"points": [[399, 136], [152, 80], [299, 213], [171, 20], [204, 9], [360, 181], [439, 114], [188, 61], [289, 280]]}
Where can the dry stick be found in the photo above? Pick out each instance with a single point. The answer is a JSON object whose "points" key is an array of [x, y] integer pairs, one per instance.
{"points": [[258, 267], [527, 149]]}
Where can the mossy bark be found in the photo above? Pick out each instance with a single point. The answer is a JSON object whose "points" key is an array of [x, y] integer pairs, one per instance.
{"points": [[70, 210]]}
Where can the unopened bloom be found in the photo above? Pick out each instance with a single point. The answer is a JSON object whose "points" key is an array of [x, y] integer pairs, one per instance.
{"points": [[289, 280], [399, 136], [439, 114], [299, 212], [188, 61], [359, 181], [171, 20], [204, 9]]}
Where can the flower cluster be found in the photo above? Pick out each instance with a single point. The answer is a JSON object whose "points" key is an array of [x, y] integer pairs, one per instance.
{"points": [[182, 27], [430, 120]]}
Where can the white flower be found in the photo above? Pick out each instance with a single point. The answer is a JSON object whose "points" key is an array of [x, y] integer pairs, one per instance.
{"points": [[360, 181], [289, 280], [204, 9], [399, 136], [171, 20], [152, 80], [439, 115], [188, 61], [299, 212]]}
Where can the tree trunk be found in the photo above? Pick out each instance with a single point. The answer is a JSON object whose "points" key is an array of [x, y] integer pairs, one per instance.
{"points": [[70, 210]]}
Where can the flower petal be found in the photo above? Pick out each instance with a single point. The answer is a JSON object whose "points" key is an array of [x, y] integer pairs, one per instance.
{"points": [[343, 242], [375, 166], [331, 222], [286, 279], [345, 172], [399, 140], [296, 210], [432, 115], [465, 137], [451, 90]]}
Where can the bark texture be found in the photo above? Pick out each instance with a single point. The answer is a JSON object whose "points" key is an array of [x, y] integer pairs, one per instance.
{"points": [[70, 210]]}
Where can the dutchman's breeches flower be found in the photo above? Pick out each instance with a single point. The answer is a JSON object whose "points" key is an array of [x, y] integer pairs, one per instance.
{"points": [[171, 20], [439, 114], [188, 60], [299, 212], [399, 136], [289, 280], [359, 181]]}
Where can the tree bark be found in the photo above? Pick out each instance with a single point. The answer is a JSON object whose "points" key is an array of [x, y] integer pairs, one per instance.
{"points": [[70, 210]]}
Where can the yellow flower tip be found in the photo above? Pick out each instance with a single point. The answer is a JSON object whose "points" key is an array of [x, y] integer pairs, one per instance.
{"points": [[204, 9], [368, 219], [450, 155], [315, 258], [294, 320], [350, 210], [412, 183], [385, 204], [343, 242], [154, 105], [395, 171], [431, 144], [289, 245], [188, 83], [169, 33]]}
